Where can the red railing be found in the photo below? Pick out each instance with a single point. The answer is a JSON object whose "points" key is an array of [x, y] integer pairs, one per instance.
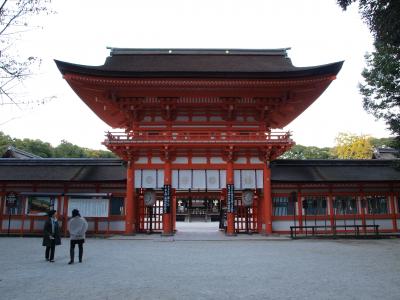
{"points": [[195, 137]]}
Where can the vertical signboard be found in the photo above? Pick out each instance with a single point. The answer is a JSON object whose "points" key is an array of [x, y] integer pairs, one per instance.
{"points": [[167, 199], [11, 200], [230, 198], [11, 203]]}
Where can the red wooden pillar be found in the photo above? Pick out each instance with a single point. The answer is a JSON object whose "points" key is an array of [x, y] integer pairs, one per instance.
{"points": [[65, 212], [230, 215], [130, 213], [167, 198], [267, 207], [173, 207], [260, 209], [2, 200], [331, 210], [393, 212], [59, 210], [299, 209], [363, 205]]}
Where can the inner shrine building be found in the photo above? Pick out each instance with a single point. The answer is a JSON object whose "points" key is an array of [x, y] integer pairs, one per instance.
{"points": [[198, 133]]}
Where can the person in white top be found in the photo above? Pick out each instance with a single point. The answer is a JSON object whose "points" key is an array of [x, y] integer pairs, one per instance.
{"points": [[77, 227]]}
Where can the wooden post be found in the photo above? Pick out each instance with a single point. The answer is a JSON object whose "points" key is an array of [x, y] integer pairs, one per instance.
{"points": [[260, 209], [331, 209], [167, 198], [393, 212], [363, 206], [230, 214], [267, 207], [129, 200], [65, 211], [173, 207], [2, 201], [299, 209]]}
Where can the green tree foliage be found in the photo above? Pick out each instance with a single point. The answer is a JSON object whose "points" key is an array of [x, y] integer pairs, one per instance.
{"points": [[351, 146], [45, 150], [383, 142], [381, 89], [308, 152], [67, 149], [5, 141], [382, 18], [36, 147]]}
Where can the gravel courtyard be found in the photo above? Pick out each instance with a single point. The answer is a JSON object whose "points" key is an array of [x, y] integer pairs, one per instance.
{"points": [[177, 268]]}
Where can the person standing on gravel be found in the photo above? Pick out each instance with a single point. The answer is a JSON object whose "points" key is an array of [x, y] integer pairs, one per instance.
{"points": [[51, 235], [77, 227]]}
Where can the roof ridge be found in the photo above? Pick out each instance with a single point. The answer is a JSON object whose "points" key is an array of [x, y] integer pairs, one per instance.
{"points": [[22, 152], [194, 51]]}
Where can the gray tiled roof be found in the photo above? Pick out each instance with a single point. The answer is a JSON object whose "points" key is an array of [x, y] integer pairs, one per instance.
{"points": [[215, 63], [114, 170], [62, 170], [13, 152], [334, 170]]}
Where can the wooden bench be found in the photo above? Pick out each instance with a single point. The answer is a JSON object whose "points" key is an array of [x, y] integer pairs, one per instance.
{"points": [[331, 230]]}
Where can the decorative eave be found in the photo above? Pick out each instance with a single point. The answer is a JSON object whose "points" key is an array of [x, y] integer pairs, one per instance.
{"points": [[135, 82], [209, 83]]}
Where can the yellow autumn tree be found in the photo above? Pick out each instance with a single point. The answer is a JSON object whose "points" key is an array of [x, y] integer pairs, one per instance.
{"points": [[351, 146]]}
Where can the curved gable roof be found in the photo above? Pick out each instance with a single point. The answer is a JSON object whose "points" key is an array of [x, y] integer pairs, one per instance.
{"points": [[199, 63]]}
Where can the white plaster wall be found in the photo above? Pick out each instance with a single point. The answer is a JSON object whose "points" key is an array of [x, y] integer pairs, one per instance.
{"points": [[102, 226], [117, 226], [27, 224], [181, 160], [313, 223], [39, 224], [91, 225], [282, 225], [241, 160], [216, 160], [259, 179], [142, 160], [14, 224], [156, 160], [348, 222], [255, 160], [199, 160], [383, 224], [112, 226]]}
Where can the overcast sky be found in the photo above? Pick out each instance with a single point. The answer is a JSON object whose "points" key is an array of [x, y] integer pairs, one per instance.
{"points": [[317, 31]]}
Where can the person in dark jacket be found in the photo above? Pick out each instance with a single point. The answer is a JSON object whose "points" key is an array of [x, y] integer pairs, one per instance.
{"points": [[77, 227], [51, 237]]}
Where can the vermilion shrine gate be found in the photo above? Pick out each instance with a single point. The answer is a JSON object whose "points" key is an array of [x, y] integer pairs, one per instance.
{"points": [[198, 124]]}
